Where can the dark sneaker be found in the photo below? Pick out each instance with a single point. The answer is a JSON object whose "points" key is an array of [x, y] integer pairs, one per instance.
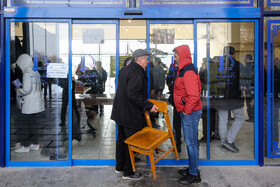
{"points": [[189, 179], [231, 146], [185, 172], [215, 137], [135, 176], [224, 148], [203, 139]]}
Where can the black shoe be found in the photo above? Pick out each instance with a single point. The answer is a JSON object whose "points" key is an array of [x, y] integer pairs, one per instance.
{"points": [[203, 139], [230, 146], [185, 171], [215, 137], [249, 120], [135, 176], [189, 179]]}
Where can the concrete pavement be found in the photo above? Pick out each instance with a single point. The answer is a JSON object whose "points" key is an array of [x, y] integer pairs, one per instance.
{"points": [[104, 176]]}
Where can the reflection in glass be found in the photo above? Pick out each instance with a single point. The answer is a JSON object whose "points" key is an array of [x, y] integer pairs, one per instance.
{"points": [[163, 72], [226, 69], [94, 70], [38, 60]]}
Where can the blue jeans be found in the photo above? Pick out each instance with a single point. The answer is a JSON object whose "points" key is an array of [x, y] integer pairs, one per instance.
{"points": [[189, 124]]}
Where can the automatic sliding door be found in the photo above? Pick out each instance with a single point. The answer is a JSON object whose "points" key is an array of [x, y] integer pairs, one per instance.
{"points": [[164, 37], [93, 88], [227, 63], [36, 68]]}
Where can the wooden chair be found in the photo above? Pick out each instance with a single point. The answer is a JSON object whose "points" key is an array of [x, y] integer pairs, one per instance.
{"points": [[149, 139]]}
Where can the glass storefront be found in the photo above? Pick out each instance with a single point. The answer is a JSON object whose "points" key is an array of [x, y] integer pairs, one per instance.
{"points": [[61, 76]]}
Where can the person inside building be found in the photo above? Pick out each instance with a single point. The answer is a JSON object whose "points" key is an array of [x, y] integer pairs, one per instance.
{"points": [[103, 76], [247, 73], [232, 100], [170, 80], [129, 106], [31, 100]]}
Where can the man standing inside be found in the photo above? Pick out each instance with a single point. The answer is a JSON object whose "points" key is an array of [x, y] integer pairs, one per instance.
{"points": [[187, 89], [129, 106], [231, 101]]}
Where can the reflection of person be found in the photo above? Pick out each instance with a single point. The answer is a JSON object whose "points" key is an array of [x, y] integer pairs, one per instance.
{"points": [[128, 109], [187, 89], [75, 124], [212, 112], [232, 100], [31, 87], [158, 76], [103, 75], [247, 75], [90, 78], [32, 102], [170, 79]]}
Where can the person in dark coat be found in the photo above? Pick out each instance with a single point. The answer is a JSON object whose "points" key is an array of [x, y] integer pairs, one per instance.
{"points": [[103, 76], [129, 106], [170, 80], [232, 101]]}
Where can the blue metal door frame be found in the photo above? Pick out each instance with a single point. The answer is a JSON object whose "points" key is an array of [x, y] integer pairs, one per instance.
{"points": [[101, 161], [274, 25], [2, 98], [256, 133], [7, 101]]}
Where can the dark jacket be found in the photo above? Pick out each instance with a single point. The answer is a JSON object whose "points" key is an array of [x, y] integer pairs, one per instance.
{"points": [[230, 77], [187, 87], [130, 101]]}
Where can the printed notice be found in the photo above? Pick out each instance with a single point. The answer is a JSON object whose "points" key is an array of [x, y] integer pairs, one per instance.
{"points": [[17, 83], [57, 70]]}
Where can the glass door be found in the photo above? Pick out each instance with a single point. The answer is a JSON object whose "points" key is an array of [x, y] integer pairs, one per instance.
{"points": [[163, 37], [227, 61], [94, 70], [37, 61]]}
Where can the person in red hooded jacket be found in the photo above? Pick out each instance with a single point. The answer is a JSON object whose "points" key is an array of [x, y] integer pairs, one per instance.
{"points": [[187, 89]]}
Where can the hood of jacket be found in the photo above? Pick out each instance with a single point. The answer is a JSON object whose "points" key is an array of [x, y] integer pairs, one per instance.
{"points": [[25, 62], [184, 55]]}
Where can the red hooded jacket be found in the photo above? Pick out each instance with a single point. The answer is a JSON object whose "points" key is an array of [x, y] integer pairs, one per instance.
{"points": [[187, 87]]}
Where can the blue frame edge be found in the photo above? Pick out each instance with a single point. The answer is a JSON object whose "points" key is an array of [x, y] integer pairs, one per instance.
{"points": [[113, 13]]}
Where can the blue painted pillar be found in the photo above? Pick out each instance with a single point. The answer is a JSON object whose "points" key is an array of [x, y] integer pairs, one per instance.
{"points": [[2, 95]]}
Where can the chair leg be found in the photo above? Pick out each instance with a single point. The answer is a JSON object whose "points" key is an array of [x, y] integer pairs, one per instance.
{"points": [[175, 147], [153, 167], [132, 158]]}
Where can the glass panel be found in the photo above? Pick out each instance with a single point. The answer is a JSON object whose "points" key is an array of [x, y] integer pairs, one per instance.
{"points": [[163, 39], [271, 92], [225, 59], [39, 65], [272, 5], [133, 35], [94, 71], [212, 3]]}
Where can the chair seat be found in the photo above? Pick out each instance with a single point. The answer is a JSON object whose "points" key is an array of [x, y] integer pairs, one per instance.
{"points": [[147, 138]]}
